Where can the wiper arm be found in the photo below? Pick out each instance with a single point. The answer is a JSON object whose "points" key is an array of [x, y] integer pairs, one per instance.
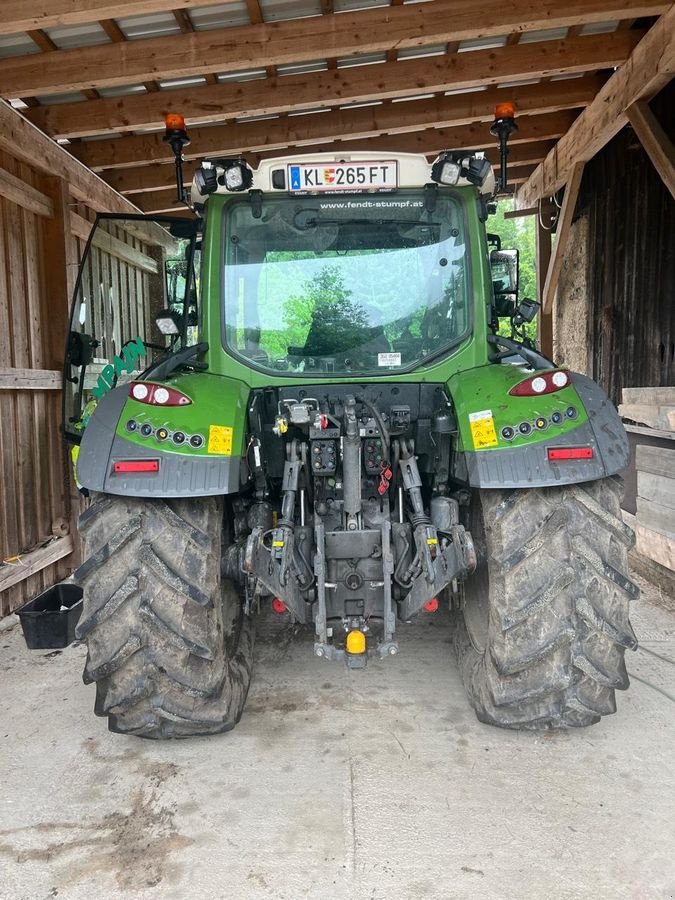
{"points": [[166, 366]]}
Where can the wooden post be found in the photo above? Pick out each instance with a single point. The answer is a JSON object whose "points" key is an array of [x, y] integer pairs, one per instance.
{"points": [[561, 237], [60, 262], [543, 238]]}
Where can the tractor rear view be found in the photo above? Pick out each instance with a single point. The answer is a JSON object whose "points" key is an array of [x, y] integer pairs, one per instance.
{"points": [[302, 400]]}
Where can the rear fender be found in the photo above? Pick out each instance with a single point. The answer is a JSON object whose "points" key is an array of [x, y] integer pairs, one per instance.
{"points": [[485, 411]]}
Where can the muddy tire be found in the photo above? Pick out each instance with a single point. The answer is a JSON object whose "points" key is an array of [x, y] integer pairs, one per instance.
{"points": [[545, 625], [169, 647]]}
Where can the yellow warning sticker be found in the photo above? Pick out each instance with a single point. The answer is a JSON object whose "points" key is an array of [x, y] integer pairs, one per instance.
{"points": [[220, 440], [483, 429]]}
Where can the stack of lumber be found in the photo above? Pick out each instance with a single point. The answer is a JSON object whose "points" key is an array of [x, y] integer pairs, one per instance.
{"points": [[655, 466]]}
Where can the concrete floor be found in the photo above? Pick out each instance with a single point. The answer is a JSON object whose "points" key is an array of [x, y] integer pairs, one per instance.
{"points": [[338, 785]]}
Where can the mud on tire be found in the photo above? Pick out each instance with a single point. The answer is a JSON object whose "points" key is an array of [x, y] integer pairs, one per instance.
{"points": [[169, 647], [544, 630]]}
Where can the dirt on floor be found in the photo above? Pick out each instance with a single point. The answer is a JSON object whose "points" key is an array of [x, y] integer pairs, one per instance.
{"points": [[338, 784]]}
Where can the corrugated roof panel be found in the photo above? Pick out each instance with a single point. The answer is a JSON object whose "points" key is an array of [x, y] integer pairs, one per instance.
{"points": [[309, 112], [419, 52], [414, 97], [159, 25], [276, 10], [122, 91], [361, 59], [521, 83], [70, 97], [223, 15], [599, 27], [168, 83], [250, 75], [71, 36], [472, 90], [488, 43], [319, 65], [257, 118], [351, 5], [545, 34], [362, 103], [17, 45]]}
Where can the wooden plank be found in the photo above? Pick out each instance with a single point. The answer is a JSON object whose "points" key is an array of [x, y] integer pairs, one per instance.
{"points": [[139, 149], [562, 235], [30, 379], [655, 396], [17, 15], [655, 141], [521, 213], [649, 68], [650, 432], [661, 417], [656, 516], [22, 140], [656, 546], [321, 90], [112, 245], [655, 460], [240, 48], [274, 96], [35, 560], [658, 488], [17, 191]]}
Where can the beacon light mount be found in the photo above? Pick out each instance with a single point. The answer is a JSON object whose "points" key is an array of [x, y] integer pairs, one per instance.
{"points": [[177, 138], [502, 128]]}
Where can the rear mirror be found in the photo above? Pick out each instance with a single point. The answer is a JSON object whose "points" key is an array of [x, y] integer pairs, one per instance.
{"points": [[504, 266]]}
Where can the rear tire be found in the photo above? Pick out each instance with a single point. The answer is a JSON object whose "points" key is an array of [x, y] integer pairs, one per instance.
{"points": [[545, 625], [169, 646]]}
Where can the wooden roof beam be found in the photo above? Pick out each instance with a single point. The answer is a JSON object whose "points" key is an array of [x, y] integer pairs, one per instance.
{"points": [[146, 179], [650, 67], [655, 141], [243, 47], [391, 80], [17, 15], [228, 140]]}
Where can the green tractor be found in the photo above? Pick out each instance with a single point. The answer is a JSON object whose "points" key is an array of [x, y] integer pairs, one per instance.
{"points": [[300, 403]]}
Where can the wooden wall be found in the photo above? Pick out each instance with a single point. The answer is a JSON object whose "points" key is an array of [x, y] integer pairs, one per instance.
{"points": [[625, 217], [47, 200]]}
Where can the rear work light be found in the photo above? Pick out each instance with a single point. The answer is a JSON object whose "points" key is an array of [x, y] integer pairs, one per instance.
{"points": [[545, 383], [136, 465], [556, 454], [157, 394]]}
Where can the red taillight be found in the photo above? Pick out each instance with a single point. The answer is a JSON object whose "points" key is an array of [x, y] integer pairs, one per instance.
{"points": [[559, 453], [136, 465], [431, 605], [157, 394], [278, 606], [542, 383]]}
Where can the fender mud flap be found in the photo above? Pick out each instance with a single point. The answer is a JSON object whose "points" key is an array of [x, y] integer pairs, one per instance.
{"points": [[457, 560], [260, 563]]}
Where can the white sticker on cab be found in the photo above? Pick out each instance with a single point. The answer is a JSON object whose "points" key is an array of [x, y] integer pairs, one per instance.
{"points": [[389, 359]]}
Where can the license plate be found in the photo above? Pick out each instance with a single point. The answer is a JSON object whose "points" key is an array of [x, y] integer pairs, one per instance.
{"points": [[306, 177]]}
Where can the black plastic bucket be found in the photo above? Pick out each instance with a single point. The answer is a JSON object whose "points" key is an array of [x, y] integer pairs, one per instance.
{"points": [[49, 620]]}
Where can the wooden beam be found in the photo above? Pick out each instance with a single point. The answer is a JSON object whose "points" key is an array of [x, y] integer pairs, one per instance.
{"points": [[17, 191], [141, 149], [520, 213], [112, 245], [655, 141], [322, 90], [544, 226], [355, 124], [243, 47], [18, 16], [24, 141], [28, 564], [649, 68], [30, 380], [562, 235]]}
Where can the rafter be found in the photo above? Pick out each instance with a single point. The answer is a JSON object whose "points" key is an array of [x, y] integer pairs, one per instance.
{"points": [[292, 41], [18, 16], [147, 179], [324, 89], [650, 67]]}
